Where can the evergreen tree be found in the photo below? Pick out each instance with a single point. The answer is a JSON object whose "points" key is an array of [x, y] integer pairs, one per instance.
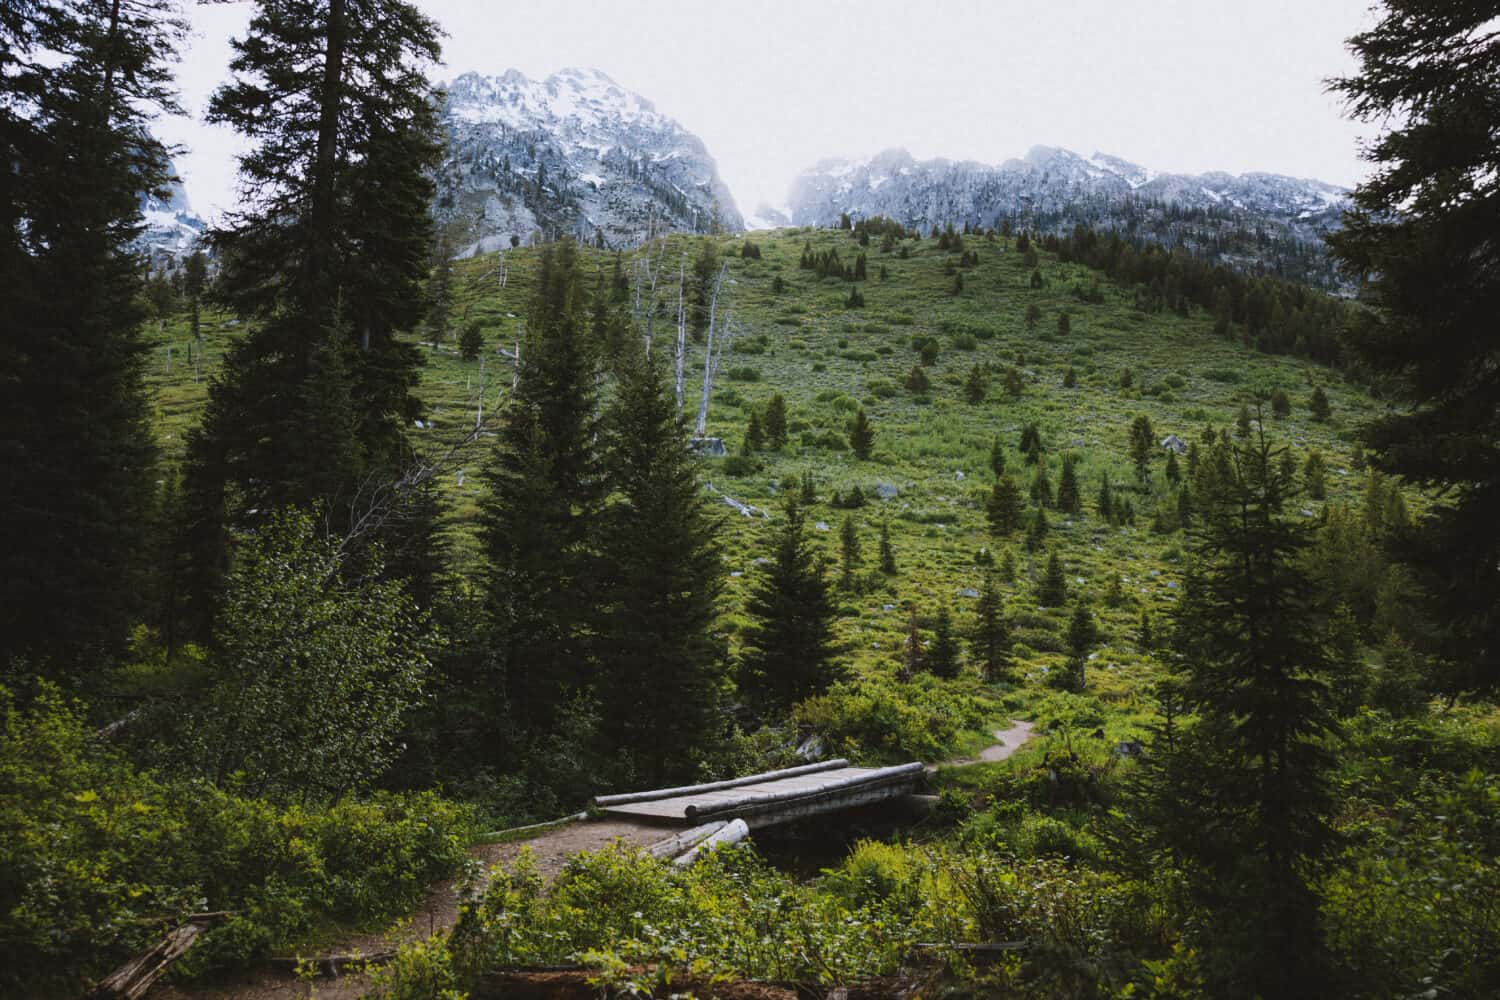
{"points": [[1421, 239], [1070, 378], [1106, 501], [1142, 446], [701, 287], [755, 438], [1254, 764], [1003, 510], [942, 653], [1014, 386], [1069, 501], [917, 382], [1041, 487], [976, 385], [1281, 404], [861, 436], [1173, 470], [194, 283], [789, 646], [1318, 405], [989, 638], [1314, 475], [887, 553], [809, 494], [775, 423], [849, 556], [440, 293], [537, 525], [997, 457], [1053, 590], [1083, 635], [328, 260], [1064, 324], [471, 341], [1031, 442], [661, 681], [79, 84], [1036, 529]]}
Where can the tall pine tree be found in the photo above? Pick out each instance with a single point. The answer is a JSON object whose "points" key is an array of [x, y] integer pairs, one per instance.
{"points": [[661, 682], [1422, 237], [789, 649], [78, 85], [1253, 765], [537, 525], [328, 258]]}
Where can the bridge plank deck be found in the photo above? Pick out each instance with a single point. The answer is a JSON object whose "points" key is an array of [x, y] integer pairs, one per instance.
{"points": [[675, 809]]}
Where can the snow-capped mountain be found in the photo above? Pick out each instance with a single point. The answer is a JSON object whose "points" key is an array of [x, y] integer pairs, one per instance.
{"points": [[574, 154], [172, 228], [1051, 190]]}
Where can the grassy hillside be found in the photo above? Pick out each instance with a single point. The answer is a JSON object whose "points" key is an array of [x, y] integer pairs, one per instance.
{"points": [[827, 360]]}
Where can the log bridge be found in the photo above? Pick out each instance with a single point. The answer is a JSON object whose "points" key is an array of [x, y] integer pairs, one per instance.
{"points": [[763, 800]]}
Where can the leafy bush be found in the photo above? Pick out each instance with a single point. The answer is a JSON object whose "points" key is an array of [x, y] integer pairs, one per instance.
{"points": [[98, 858], [885, 719], [743, 373]]}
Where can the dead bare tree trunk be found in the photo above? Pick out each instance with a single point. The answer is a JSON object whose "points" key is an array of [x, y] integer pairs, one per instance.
{"points": [[680, 354], [708, 355]]}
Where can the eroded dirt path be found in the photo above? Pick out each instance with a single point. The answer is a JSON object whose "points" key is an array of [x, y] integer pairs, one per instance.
{"points": [[439, 911], [1007, 742], [551, 848]]}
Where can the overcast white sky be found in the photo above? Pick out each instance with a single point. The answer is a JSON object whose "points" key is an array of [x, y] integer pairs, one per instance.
{"points": [[772, 86]]}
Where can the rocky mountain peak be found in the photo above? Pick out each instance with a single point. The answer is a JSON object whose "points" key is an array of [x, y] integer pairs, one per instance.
{"points": [[574, 154]]}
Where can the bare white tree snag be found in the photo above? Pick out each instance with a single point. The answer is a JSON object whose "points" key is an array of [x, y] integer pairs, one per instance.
{"points": [[679, 355], [169, 359], [500, 267], [710, 360], [197, 352]]}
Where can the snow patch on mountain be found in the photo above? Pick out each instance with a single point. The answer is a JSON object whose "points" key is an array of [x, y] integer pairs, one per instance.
{"points": [[172, 228], [575, 154], [1052, 189]]}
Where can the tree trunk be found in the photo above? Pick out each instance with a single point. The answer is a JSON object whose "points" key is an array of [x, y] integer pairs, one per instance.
{"points": [[701, 427]]}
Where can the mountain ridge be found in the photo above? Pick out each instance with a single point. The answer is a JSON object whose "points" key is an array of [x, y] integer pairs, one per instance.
{"points": [[1252, 220], [572, 154]]}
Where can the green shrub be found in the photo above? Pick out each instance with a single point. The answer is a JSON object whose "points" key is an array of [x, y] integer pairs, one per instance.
{"points": [[98, 858], [884, 719], [743, 373]]}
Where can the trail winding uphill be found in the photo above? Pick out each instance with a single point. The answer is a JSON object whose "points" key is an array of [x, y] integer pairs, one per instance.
{"points": [[551, 847]]}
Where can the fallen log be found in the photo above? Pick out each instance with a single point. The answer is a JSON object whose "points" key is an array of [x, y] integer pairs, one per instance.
{"points": [[132, 980], [496, 835], [745, 509], [673, 846], [714, 786], [730, 833]]}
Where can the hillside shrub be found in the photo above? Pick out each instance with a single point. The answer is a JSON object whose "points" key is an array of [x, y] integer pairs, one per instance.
{"points": [[884, 719], [97, 858]]}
